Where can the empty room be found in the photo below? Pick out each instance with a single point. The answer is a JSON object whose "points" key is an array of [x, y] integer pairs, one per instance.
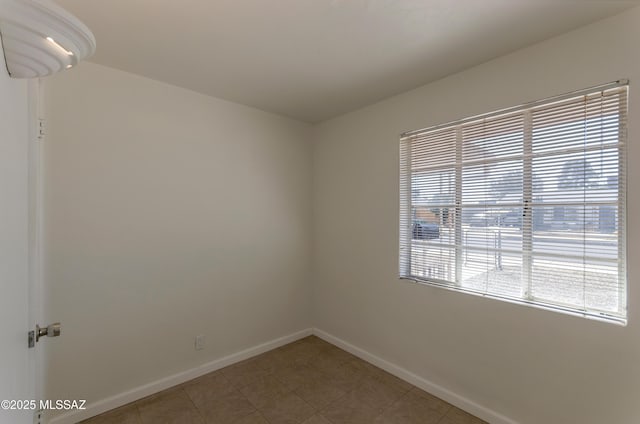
{"points": [[319, 212]]}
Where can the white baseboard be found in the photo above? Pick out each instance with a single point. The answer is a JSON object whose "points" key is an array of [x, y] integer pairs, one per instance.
{"points": [[455, 399], [98, 407]]}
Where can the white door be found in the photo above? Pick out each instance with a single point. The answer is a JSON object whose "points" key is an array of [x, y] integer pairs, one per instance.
{"points": [[17, 361]]}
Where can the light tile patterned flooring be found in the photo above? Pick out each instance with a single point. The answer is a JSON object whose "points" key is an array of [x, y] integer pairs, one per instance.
{"points": [[306, 382]]}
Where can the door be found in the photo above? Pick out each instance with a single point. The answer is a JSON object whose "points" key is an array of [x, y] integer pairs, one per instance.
{"points": [[17, 361]]}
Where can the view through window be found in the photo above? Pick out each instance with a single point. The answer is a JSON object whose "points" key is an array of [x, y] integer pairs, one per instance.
{"points": [[525, 204]]}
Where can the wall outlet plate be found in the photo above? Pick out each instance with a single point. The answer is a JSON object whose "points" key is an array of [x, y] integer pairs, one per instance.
{"points": [[199, 342]]}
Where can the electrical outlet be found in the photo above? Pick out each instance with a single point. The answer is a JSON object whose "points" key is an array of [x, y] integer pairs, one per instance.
{"points": [[200, 342]]}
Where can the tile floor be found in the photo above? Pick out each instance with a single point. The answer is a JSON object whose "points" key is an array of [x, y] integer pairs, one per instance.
{"points": [[306, 382]]}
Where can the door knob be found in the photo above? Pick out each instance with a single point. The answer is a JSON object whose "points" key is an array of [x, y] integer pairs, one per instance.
{"points": [[52, 330]]}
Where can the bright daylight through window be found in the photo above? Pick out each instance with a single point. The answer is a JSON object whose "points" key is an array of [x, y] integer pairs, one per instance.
{"points": [[525, 204]]}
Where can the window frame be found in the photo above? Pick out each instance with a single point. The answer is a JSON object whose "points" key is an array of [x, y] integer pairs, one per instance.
{"points": [[407, 208]]}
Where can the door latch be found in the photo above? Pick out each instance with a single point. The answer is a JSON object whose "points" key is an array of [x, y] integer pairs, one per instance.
{"points": [[52, 330]]}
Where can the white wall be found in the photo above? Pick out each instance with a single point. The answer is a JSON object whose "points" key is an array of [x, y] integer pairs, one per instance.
{"points": [[531, 365], [168, 214]]}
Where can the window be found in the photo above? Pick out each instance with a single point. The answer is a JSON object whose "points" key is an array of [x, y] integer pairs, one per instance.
{"points": [[526, 204]]}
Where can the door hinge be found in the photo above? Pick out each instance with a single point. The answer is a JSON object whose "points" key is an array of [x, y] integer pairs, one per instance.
{"points": [[37, 416], [42, 127], [32, 339]]}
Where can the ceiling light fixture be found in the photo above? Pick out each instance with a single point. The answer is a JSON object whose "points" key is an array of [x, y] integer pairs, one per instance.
{"points": [[40, 38]]}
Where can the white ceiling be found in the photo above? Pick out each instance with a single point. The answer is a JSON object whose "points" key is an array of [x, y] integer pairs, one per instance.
{"points": [[315, 59]]}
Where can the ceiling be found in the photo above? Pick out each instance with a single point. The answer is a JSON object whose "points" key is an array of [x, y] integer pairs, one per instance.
{"points": [[316, 59]]}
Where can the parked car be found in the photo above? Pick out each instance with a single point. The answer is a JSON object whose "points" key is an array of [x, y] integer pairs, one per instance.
{"points": [[424, 230]]}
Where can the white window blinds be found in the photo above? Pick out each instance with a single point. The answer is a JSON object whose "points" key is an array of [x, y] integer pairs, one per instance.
{"points": [[526, 204]]}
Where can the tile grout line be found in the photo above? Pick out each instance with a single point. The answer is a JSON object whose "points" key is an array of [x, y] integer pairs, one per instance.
{"points": [[317, 411], [204, 420], [274, 375]]}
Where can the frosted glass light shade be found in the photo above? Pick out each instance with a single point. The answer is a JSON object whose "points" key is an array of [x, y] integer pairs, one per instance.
{"points": [[40, 38]]}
